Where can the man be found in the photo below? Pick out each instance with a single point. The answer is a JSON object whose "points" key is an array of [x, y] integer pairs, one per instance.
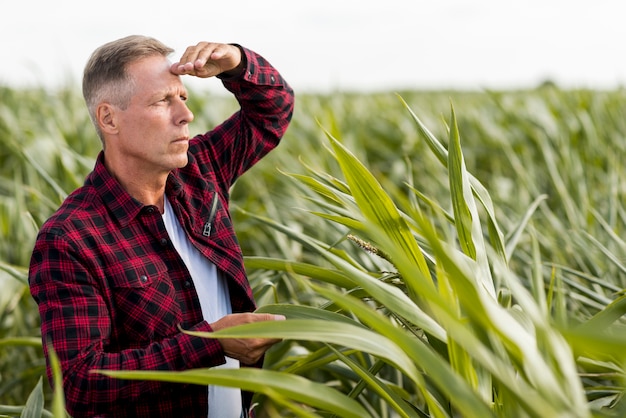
{"points": [[146, 247]]}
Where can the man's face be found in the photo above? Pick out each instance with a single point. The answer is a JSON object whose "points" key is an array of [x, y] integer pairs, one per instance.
{"points": [[154, 129]]}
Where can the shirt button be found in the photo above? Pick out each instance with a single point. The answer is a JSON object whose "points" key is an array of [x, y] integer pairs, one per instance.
{"points": [[187, 284], [163, 241], [150, 210], [273, 79], [143, 278]]}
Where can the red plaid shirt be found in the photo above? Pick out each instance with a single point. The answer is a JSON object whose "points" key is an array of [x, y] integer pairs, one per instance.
{"points": [[110, 286]]}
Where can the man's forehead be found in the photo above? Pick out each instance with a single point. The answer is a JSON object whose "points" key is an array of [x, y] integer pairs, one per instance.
{"points": [[155, 71], [151, 65], [153, 80]]}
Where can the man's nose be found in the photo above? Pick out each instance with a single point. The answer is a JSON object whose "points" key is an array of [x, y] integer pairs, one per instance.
{"points": [[184, 115]]}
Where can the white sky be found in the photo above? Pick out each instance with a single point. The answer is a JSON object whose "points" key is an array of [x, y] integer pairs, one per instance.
{"points": [[327, 45]]}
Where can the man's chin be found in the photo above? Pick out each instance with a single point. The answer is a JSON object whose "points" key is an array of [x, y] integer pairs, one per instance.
{"points": [[183, 162]]}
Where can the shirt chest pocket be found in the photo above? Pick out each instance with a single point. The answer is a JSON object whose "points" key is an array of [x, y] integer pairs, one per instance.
{"points": [[145, 307]]}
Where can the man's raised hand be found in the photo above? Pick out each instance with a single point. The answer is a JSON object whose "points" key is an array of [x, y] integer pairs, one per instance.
{"points": [[208, 59]]}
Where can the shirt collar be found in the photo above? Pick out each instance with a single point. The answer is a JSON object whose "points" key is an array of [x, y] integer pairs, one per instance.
{"points": [[119, 202]]}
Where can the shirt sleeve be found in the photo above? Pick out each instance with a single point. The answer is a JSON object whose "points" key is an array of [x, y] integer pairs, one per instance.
{"points": [[76, 323], [266, 107]]}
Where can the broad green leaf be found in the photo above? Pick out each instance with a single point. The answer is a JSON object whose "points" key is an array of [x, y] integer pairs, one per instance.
{"points": [[597, 343], [270, 383], [464, 216], [16, 272], [318, 187], [536, 279], [441, 153], [34, 403], [465, 212], [607, 316], [393, 298], [373, 383], [378, 207], [25, 341], [460, 360], [303, 239], [433, 143], [351, 223], [390, 296], [549, 352], [307, 312], [516, 233], [341, 333], [327, 275], [458, 391], [311, 360], [487, 315], [11, 411]]}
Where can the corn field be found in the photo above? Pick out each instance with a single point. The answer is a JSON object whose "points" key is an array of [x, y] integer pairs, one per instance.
{"points": [[436, 253]]}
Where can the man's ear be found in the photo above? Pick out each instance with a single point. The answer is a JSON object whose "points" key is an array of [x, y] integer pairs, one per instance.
{"points": [[106, 118]]}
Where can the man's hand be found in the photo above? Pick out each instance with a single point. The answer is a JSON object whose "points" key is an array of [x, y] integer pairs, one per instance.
{"points": [[208, 59], [246, 350]]}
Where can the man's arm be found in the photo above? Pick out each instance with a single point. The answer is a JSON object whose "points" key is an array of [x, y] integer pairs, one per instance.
{"points": [[266, 100], [230, 149], [77, 323]]}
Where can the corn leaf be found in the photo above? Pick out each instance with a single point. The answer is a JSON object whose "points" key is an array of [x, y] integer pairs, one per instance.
{"points": [[273, 384]]}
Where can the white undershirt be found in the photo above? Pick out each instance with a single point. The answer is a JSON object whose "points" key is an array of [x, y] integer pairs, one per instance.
{"points": [[214, 299]]}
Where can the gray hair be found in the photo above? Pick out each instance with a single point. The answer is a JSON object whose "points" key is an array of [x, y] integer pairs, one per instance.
{"points": [[105, 77]]}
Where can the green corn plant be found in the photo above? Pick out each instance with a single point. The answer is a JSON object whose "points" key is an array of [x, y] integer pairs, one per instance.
{"points": [[483, 291], [35, 403], [448, 329]]}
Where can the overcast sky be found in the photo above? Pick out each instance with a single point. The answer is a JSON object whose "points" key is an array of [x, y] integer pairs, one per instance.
{"points": [[327, 45]]}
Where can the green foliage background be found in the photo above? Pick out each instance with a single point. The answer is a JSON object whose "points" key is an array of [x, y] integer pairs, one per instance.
{"points": [[550, 161]]}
